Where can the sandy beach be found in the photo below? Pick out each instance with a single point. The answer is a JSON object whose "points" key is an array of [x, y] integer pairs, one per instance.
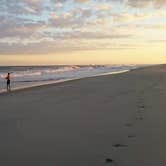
{"points": [[117, 120]]}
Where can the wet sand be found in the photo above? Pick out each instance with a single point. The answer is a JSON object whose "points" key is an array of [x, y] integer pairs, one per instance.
{"points": [[117, 120]]}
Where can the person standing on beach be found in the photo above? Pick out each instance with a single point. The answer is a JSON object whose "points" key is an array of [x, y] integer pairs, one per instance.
{"points": [[8, 82]]}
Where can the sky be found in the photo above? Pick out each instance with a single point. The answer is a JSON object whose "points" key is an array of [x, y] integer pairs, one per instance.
{"points": [[48, 32]]}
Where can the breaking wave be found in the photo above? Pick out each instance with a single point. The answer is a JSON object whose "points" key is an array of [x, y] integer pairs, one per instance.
{"points": [[27, 76]]}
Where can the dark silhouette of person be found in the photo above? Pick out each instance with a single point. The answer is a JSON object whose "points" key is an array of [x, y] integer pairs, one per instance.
{"points": [[8, 82]]}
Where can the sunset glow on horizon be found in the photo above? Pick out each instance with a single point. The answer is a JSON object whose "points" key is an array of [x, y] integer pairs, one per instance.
{"points": [[52, 32]]}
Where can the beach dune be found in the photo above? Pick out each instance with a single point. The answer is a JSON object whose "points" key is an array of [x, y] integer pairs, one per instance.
{"points": [[107, 120]]}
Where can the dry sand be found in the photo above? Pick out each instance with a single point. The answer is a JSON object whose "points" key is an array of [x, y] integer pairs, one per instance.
{"points": [[87, 122]]}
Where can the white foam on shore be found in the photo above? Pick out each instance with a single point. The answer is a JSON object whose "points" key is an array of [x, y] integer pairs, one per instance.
{"points": [[64, 80], [31, 76]]}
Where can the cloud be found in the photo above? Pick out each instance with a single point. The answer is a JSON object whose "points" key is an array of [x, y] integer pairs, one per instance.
{"points": [[146, 3], [58, 46], [130, 17], [74, 18], [153, 26], [86, 35], [18, 28], [160, 3], [78, 1], [82, 1], [21, 6], [157, 41], [40, 26], [139, 3]]}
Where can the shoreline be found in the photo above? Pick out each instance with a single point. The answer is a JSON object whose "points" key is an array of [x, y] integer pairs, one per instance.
{"points": [[61, 81]]}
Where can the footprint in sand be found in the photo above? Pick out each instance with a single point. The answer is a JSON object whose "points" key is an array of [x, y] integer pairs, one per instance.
{"points": [[131, 136], [110, 161], [119, 145], [139, 118], [142, 107]]}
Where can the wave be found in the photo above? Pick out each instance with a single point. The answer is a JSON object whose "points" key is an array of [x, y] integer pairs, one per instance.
{"points": [[42, 80], [33, 72], [33, 75]]}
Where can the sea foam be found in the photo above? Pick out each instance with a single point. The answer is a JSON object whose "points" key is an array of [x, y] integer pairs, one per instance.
{"points": [[27, 76]]}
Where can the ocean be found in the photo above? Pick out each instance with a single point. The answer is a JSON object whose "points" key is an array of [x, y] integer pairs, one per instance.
{"points": [[28, 76]]}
